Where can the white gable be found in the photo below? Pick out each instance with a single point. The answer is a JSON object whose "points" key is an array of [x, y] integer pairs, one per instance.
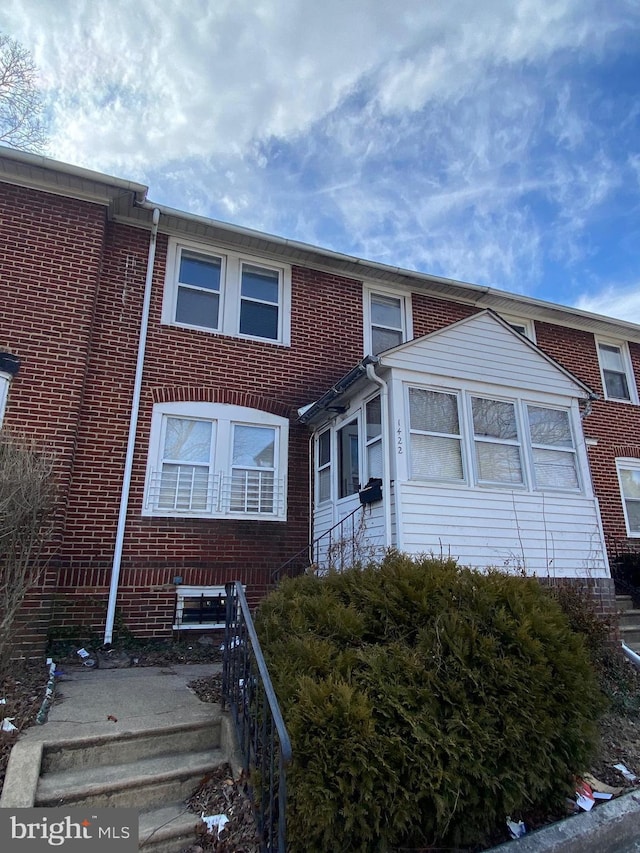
{"points": [[483, 348]]}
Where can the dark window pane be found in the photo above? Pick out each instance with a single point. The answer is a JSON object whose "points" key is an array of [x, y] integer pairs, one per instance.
{"points": [[386, 311], [348, 467], [324, 448], [616, 385], [200, 271], [382, 339], [374, 418], [197, 308], [259, 320], [258, 283]]}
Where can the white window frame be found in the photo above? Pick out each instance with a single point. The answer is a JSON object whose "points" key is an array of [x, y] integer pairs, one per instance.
{"points": [[184, 592], [475, 440], [405, 310], [230, 296], [627, 370], [5, 381], [525, 327], [224, 418], [625, 464], [324, 467], [468, 440], [459, 437]]}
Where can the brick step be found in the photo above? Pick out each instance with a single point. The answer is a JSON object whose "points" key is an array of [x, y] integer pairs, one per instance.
{"points": [[147, 783], [630, 634], [624, 602]]}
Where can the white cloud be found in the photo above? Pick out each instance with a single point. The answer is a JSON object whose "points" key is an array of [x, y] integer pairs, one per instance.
{"points": [[620, 301]]}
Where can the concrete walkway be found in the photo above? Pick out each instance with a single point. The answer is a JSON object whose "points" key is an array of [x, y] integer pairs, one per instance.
{"points": [[91, 702]]}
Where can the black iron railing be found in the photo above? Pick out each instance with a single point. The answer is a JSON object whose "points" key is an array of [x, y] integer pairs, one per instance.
{"points": [[336, 548], [262, 736]]}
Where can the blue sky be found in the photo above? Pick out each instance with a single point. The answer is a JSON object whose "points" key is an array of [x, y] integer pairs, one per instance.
{"points": [[494, 142]]}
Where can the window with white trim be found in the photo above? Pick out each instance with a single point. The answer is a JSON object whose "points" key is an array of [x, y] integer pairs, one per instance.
{"points": [[387, 320], [629, 479], [435, 436], [323, 466], [215, 460], [552, 448], [525, 327], [5, 379], [373, 439], [498, 454], [227, 292], [617, 374], [466, 438], [200, 607]]}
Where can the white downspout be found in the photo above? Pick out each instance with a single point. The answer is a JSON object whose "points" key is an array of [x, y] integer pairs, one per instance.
{"points": [[131, 442], [386, 452]]}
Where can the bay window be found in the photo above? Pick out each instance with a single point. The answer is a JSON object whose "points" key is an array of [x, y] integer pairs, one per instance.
{"points": [[216, 460]]}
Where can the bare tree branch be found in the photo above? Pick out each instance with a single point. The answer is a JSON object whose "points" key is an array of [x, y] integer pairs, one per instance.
{"points": [[21, 109], [27, 501]]}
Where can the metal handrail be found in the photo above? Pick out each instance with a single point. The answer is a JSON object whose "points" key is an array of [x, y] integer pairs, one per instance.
{"points": [[262, 735], [313, 548]]}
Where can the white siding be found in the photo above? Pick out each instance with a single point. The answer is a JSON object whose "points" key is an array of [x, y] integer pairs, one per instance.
{"points": [[550, 535], [481, 349], [358, 538]]}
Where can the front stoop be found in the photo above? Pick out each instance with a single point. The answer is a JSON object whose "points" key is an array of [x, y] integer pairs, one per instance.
{"points": [[629, 622], [154, 771]]}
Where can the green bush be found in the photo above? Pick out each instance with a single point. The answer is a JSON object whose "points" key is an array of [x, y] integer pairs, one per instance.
{"points": [[425, 702]]}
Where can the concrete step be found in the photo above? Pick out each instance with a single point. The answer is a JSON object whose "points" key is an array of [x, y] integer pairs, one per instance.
{"points": [[630, 634], [624, 602], [147, 783], [127, 748], [167, 829], [629, 618]]}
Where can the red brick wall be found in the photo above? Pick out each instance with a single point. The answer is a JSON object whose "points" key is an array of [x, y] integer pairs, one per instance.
{"points": [[185, 364], [50, 255], [616, 426], [74, 288]]}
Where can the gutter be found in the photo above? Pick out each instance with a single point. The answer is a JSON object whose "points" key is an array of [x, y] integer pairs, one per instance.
{"points": [[131, 442]]}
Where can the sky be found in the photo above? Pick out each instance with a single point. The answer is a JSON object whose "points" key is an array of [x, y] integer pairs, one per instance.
{"points": [[492, 142]]}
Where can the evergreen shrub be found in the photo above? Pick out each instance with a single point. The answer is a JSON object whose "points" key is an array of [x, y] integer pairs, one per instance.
{"points": [[425, 703]]}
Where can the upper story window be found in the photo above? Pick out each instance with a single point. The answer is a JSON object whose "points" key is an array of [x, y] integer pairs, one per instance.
{"points": [[617, 375], [629, 478], [216, 460], [387, 320], [524, 327], [501, 442], [227, 292]]}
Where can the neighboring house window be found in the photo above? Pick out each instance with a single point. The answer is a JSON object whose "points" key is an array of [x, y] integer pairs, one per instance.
{"points": [[348, 460], [629, 477], [387, 320], [552, 447], [323, 466], [373, 422], [216, 460], [617, 375], [497, 446], [226, 292], [447, 428], [436, 441], [199, 607]]}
